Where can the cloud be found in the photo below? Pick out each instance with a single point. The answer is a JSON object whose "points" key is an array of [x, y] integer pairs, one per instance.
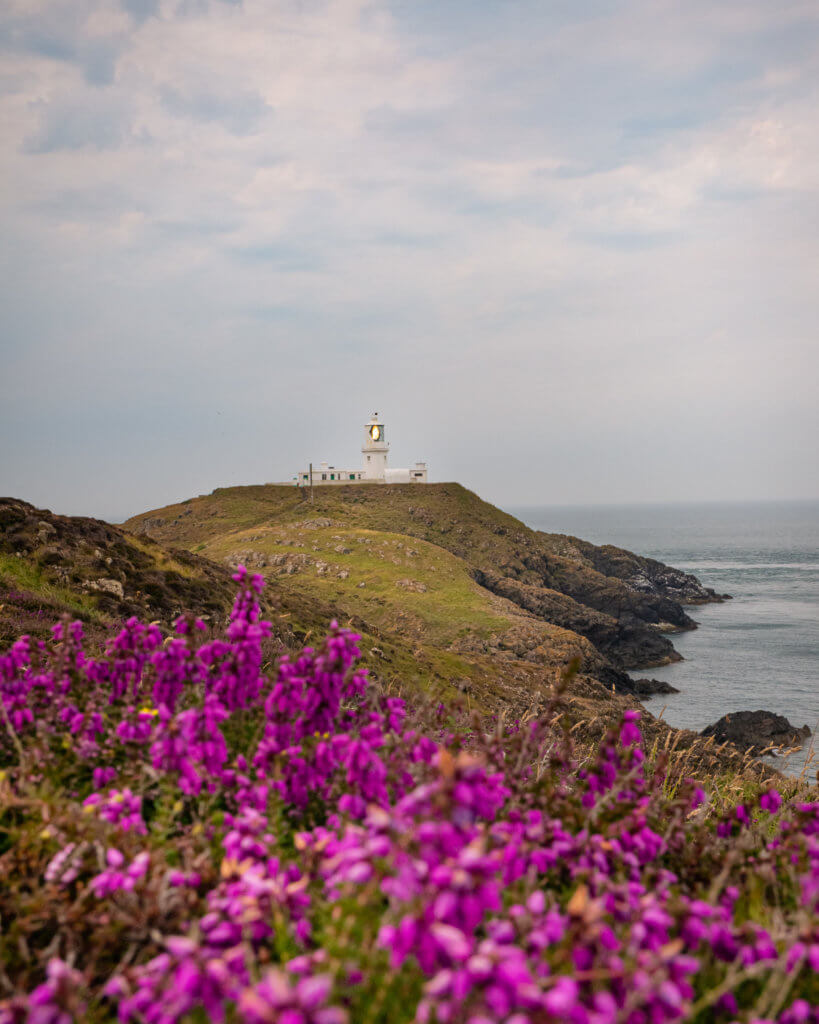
{"points": [[583, 222], [285, 258], [240, 113], [93, 120], [141, 10], [75, 32]]}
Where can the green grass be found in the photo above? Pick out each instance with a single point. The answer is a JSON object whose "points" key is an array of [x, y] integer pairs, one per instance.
{"points": [[432, 512], [450, 606], [23, 574], [162, 560], [447, 515]]}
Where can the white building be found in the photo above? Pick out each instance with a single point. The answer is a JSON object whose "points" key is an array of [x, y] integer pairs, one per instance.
{"points": [[374, 468]]}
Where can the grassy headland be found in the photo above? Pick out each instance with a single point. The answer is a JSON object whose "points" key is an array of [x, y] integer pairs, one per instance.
{"points": [[453, 598], [451, 594]]}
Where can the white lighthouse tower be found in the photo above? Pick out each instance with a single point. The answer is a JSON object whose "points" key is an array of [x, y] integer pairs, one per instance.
{"points": [[374, 450]]}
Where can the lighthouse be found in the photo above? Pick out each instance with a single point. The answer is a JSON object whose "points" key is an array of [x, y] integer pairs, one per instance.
{"points": [[374, 450], [374, 469]]}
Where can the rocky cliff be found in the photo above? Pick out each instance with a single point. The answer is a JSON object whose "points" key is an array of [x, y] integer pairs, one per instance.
{"points": [[629, 643]]}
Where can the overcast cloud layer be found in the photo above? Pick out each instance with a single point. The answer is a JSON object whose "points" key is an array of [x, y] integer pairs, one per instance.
{"points": [[568, 250]]}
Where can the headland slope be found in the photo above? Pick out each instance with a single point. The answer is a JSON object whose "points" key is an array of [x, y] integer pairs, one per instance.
{"points": [[452, 596]]}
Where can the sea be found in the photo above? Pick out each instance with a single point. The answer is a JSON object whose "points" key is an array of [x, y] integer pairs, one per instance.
{"points": [[759, 650]]}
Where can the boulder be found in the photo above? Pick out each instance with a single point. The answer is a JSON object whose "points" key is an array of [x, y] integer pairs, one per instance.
{"points": [[113, 587], [651, 687], [52, 555], [414, 585], [757, 731]]}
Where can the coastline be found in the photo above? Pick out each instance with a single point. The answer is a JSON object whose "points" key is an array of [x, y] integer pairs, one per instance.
{"points": [[761, 649]]}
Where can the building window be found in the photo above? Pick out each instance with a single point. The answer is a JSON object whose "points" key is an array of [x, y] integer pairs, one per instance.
{"points": [[323, 476], [352, 476], [332, 476], [368, 458]]}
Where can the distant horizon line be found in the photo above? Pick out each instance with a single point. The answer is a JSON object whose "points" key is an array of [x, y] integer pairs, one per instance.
{"points": [[506, 506], [669, 502], [514, 507]]}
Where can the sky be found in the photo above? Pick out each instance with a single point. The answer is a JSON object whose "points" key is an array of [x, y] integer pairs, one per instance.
{"points": [[568, 250]]}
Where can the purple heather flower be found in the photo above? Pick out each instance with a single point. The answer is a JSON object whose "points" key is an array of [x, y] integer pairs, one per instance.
{"points": [[770, 801], [630, 732], [492, 885], [561, 999]]}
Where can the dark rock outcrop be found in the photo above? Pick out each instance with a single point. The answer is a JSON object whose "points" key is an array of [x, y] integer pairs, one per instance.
{"points": [[647, 575], [573, 575], [627, 644], [651, 687], [757, 731]]}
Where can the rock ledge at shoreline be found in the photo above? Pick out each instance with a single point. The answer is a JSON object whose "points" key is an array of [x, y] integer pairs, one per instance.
{"points": [[757, 731]]}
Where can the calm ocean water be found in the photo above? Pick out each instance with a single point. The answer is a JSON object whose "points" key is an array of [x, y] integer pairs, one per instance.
{"points": [[760, 650]]}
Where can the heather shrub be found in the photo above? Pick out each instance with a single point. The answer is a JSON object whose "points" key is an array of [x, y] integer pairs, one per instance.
{"points": [[188, 835]]}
